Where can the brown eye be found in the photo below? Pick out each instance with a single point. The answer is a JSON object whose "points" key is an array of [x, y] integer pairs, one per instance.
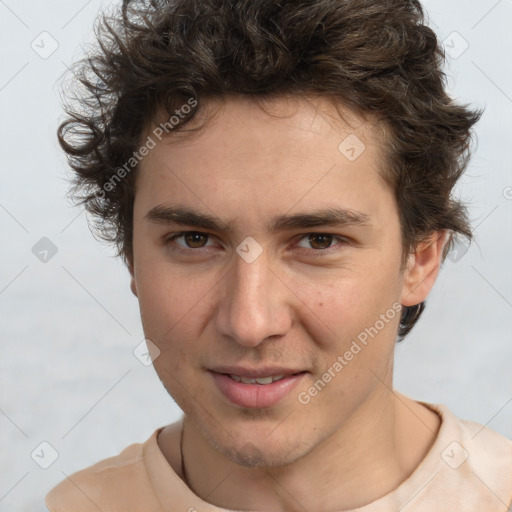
{"points": [[195, 240], [320, 241], [322, 244], [187, 240]]}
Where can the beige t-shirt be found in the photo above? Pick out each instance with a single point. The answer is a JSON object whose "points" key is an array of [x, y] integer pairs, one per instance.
{"points": [[467, 469]]}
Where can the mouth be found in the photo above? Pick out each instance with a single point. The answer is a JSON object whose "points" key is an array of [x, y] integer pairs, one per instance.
{"points": [[262, 381], [256, 389]]}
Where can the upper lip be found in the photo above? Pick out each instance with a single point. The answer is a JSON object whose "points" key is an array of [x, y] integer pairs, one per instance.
{"points": [[266, 371]]}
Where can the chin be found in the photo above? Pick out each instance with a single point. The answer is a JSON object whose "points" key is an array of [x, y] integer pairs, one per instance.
{"points": [[251, 455], [252, 449]]}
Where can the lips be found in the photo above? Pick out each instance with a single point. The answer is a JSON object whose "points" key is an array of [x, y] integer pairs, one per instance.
{"points": [[255, 388]]}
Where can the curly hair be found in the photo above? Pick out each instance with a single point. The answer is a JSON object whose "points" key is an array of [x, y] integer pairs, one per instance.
{"points": [[377, 57]]}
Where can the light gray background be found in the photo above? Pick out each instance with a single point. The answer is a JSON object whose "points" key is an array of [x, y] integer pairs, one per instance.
{"points": [[69, 326]]}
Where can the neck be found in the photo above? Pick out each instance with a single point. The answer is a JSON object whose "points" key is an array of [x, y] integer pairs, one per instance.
{"points": [[368, 457]]}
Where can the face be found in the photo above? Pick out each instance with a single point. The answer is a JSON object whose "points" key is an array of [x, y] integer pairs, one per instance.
{"points": [[269, 246]]}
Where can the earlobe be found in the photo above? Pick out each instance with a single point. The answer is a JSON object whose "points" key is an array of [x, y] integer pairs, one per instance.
{"points": [[423, 267], [133, 285]]}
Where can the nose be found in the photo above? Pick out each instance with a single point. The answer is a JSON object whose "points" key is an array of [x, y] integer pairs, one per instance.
{"points": [[254, 303]]}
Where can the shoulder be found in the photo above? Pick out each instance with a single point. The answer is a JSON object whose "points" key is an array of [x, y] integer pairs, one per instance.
{"points": [[488, 452], [485, 447], [116, 483], [478, 458]]}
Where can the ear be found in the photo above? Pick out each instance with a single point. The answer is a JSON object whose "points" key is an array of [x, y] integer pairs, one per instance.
{"points": [[423, 267], [133, 286]]}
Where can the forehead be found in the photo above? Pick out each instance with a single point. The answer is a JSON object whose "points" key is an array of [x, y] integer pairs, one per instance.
{"points": [[263, 157], [288, 116]]}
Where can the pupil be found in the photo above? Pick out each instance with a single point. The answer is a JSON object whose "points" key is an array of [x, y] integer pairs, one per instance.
{"points": [[195, 239], [322, 241]]}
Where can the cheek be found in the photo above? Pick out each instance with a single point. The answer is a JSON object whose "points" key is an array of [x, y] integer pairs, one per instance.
{"points": [[353, 323], [173, 312], [172, 305], [337, 308]]}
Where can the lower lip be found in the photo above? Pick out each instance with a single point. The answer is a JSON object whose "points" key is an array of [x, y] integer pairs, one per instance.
{"points": [[255, 396]]}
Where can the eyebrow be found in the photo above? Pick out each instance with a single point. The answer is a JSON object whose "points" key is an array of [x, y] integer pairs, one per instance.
{"points": [[333, 217]]}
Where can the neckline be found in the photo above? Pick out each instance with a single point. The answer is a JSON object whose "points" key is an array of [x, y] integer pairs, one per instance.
{"points": [[170, 488]]}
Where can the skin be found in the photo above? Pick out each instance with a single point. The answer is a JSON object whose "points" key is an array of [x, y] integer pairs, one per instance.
{"points": [[298, 305]]}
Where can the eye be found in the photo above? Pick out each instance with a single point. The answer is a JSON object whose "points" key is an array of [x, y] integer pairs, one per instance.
{"points": [[320, 241], [190, 239], [312, 242]]}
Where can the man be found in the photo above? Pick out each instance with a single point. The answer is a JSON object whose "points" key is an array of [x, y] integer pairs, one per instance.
{"points": [[277, 177]]}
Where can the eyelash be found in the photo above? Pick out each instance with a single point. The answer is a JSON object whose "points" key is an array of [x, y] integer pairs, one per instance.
{"points": [[314, 252]]}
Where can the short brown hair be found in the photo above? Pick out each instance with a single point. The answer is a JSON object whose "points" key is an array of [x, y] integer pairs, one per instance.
{"points": [[377, 57]]}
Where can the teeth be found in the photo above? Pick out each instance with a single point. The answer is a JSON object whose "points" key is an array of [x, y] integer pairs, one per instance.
{"points": [[259, 380], [264, 380]]}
